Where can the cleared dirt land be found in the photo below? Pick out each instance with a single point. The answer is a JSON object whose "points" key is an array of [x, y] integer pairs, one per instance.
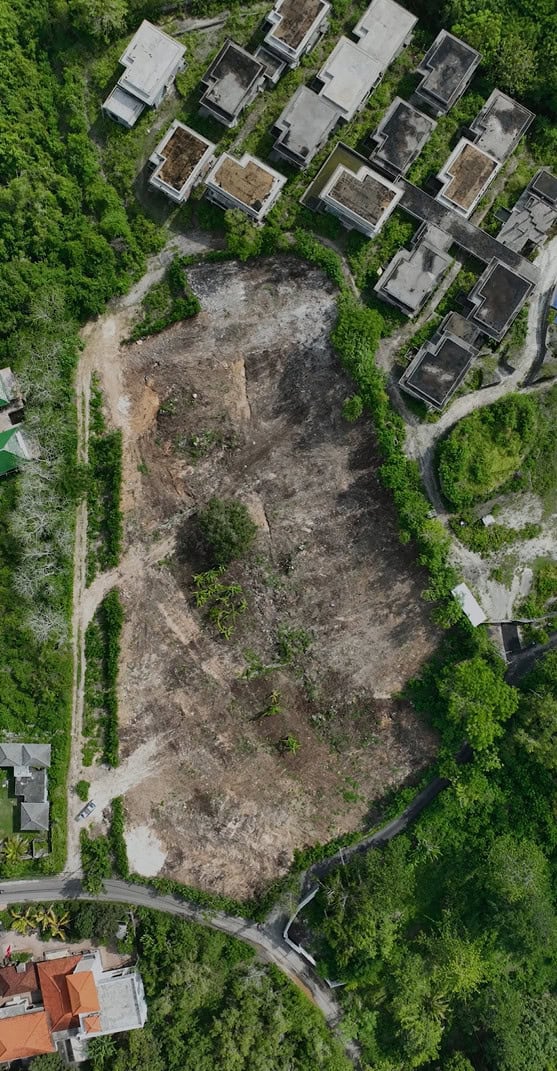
{"points": [[245, 401]]}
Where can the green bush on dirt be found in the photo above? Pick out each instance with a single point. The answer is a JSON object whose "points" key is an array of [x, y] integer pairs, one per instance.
{"points": [[82, 790], [486, 449], [95, 861], [111, 615], [225, 602], [227, 529], [167, 302], [544, 590], [117, 839]]}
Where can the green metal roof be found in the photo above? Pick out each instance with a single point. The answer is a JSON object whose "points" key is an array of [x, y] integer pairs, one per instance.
{"points": [[9, 459]]}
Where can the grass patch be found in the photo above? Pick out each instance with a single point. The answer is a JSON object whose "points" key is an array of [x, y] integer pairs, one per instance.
{"points": [[104, 516], [102, 650], [486, 541], [543, 591], [167, 302], [7, 811]]}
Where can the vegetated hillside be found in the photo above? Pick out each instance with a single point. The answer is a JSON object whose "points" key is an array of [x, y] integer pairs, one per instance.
{"points": [[448, 937], [66, 246], [211, 1005], [517, 39], [510, 445]]}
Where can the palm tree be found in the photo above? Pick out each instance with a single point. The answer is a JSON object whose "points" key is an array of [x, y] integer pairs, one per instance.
{"points": [[53, 924], [290, 743], [14, 848], [23, 921]]}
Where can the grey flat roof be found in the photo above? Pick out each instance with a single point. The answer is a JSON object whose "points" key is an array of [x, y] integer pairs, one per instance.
{"points": [[500, 125], [401, 134], [37, 755], [348, 75], [32, 789], [383, 30], [459, 327], [544, 184], [230, 78], [123, 106], [121, 1002], [446, 68], [306, 123], [413, 275], [498, 297], [150, 59], [437, 371]]}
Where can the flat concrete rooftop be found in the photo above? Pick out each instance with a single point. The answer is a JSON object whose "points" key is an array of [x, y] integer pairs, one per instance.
{"points": [[348, 76], [437, 371], [447, 68], [498, 297], [305, 124], [413, 275], [248, 180], [296, 20], [182, 151], [500, 125], [400, 136], [384, 29], [466, 175], [544, 184], [149, 58], [229, 79]]}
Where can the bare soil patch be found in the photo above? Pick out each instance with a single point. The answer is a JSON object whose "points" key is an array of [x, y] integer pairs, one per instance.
{"points": [[245, 401]]}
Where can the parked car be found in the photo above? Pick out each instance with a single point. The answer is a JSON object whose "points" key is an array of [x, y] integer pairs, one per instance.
{"points": [[87, 810]]}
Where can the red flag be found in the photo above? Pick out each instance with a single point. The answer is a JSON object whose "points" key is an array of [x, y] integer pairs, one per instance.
{"points": [[8, 951]]}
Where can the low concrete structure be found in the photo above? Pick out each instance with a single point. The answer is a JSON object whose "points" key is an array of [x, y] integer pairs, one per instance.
{"points": [[400, 137], [497, 299], [232, 81], [180, 160], [151, 61], [274, 67], [533, 216], [447, 70], [361, 199], [499, 126], [466, 176], [441, 364], [414, 274], [303, 127], [384, 30], [469, 604], [295, 27], [347, 78], [247, 184]]}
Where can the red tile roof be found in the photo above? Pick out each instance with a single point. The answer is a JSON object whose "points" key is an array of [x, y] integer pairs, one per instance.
{"points": [[92, 1024], [22, 1036], [56, 998], [82, 990], [13, 982]]}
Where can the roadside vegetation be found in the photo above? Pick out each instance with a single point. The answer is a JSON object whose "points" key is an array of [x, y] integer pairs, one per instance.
{"points": [[211, 1003], [102, 652], [104, 516]]}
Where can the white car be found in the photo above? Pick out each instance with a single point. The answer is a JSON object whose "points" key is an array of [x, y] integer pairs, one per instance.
{"points": [[86, 810]]}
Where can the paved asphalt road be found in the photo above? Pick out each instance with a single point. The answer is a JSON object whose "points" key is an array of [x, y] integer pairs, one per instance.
{"points": [[268, 941]]}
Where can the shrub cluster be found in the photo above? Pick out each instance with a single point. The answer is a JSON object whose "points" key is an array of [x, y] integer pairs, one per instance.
{"points": [[111, 617], [95, 862], [118, 840], [227, 529], [167, 302]]}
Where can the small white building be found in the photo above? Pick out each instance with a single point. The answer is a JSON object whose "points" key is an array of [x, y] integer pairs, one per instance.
{"points": [[151, 62], [247, 184], [295, 27], [469, 604], [180, 161]]}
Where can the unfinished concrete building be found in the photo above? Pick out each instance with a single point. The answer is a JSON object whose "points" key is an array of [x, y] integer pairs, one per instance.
{"points": [[303, 127], [439, 367], [295, 27], [413, 274], [274, 67], [180, 161], [447, 70], [151, 62], [362, 199], [384, 30], [465, 177], [247, 184], [534, 215], [499, 126], [497, 298], [400, 137], [347, 78], [231, 83]]}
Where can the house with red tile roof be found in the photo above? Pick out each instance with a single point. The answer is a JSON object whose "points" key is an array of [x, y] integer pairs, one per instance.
{"points": [[58, 1004]]}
